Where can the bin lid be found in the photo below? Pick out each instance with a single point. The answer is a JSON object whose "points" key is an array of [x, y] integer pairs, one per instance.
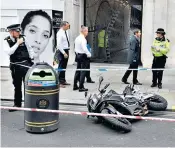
{"points": [[38, 74]]}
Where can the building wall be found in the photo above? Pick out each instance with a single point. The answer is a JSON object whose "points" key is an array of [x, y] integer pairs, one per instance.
{"points": [[158, 14], [74, 14]]}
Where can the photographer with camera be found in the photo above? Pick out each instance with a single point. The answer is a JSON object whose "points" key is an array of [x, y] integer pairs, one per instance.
{"points": [[21, 55]]}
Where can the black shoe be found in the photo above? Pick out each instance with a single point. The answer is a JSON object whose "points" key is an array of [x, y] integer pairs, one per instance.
{"points": [[83, 90], [160, 86], [90, 81], [65, 83], [154, 85], [13, 110], [125, 82], [75, 88], [137, 83]]}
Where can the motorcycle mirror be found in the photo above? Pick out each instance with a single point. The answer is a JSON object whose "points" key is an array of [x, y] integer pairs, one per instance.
{"points": [[85, 94], [132, 86], [100, 81]]}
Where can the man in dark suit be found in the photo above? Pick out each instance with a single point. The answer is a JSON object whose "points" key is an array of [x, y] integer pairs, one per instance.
{"points": [[133, 58], [63, 45]]}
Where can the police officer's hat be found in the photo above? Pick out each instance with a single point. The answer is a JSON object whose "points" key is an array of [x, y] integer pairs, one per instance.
{"points": [[160, 30], [15, 27]]}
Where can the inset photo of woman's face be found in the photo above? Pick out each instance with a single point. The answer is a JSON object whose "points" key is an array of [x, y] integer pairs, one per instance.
{"points": [[37, 33], [37, 28]]}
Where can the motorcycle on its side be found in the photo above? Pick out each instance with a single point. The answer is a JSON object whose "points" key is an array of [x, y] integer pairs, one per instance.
{"points": [[106, 104], [131, 102]]}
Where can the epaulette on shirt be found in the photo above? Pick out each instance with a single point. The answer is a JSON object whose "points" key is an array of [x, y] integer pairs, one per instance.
{"points": [[7, 38]]}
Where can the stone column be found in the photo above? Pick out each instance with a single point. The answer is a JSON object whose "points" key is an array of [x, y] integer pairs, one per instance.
{"points": [[72, 15], [170, 30], [147, 32]]}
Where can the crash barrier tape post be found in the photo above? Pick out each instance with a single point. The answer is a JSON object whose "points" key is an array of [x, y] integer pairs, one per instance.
{"points": [[87, 113], [100, 69]]}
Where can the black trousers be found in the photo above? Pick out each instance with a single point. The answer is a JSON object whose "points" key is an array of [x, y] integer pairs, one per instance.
{"points": [[158, 63], [18, 74], [82, 63], [63, 65], [88, 73], [134, 65]]}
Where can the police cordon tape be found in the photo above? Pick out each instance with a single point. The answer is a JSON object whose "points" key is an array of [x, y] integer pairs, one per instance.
{"points": [[87, 113], [101, 69]]}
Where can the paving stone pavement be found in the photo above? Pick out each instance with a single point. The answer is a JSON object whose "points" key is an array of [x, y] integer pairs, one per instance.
{"points": [[67, 95]]}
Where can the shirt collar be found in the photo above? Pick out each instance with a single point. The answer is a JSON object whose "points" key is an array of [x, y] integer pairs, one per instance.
{"points": [[12, 38], [160, 39], [62, 29], [82, 35]]}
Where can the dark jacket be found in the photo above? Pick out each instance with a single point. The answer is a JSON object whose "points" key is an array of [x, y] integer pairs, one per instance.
{"points": [[134, 50]]}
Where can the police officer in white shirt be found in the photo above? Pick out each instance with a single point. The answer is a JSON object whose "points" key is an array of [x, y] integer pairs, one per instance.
{"points": [[20, 53], [63, 45], [82, 55]]}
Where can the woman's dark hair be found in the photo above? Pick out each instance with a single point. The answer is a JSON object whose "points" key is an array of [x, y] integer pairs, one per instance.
{"points": [[29, 16]]}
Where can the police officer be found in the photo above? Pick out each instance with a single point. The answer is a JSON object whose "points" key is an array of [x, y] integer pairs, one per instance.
{"points": [[21, 55], [102, 44], [160, 48]]}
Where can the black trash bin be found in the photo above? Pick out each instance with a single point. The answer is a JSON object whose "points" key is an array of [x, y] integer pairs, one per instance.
{"points": [[41, 92]]}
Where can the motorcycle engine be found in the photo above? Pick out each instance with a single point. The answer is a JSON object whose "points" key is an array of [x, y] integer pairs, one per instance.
{"points": [[142, 111]]}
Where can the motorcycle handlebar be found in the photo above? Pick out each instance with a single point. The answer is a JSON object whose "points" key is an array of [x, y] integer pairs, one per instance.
{"points": [[107, 85], [104, 89]]}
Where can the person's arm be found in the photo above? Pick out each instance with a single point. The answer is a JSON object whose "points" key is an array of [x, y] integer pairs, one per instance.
{"points": [[154, 48], [59, 42], [9, 50], [84, 47], [133, 45], [165, 50], [133, 49]]}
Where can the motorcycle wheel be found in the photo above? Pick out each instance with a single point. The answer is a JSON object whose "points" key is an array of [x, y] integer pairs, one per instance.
{"points": [[120, 123], [159, 104]]}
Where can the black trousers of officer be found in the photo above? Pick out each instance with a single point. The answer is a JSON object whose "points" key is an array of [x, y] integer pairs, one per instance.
{"points": [[133, 65], [158, 63], [18, 75], [63, 65], [82, 63]]}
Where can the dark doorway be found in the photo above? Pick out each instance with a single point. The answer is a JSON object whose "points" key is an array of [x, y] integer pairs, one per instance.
{"points": [[110, 25]]}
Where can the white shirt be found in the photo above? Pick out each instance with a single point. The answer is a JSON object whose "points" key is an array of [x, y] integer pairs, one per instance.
{"points": [[10, 50], [81, 45], [62, 42]]}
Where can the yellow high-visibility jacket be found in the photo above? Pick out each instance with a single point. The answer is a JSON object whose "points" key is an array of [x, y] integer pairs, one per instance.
{"points": [[101, 39], [164, 47]]}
